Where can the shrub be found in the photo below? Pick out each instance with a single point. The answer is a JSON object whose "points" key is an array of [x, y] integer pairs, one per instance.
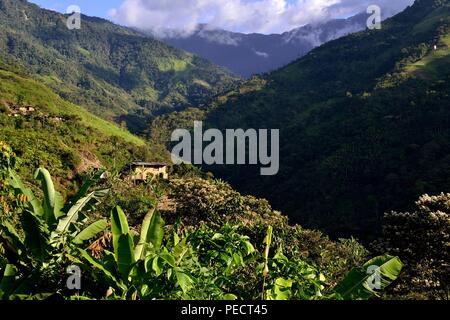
{"points": [[422, 239]]}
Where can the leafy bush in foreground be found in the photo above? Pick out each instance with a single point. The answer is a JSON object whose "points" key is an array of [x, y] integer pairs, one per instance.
{"points": [[422, 239], [204, 263]]}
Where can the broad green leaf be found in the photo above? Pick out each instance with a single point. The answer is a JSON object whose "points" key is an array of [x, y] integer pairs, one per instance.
{"points": [[156, 266], [365, 282], [91, 231], [122, 242], [249, 247], [36, 235], [282, 290], [119, 225], [152, 232], [167, 257], [180, 250], [125, 255], [155, 232], [53, 201], [7, 281], [184, 280], [66, 222]]}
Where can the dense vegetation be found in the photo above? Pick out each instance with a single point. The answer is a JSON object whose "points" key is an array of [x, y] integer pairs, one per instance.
{"points": [[364, 124], [112, 71], [249, 253], [46, 130], [365, 129]]}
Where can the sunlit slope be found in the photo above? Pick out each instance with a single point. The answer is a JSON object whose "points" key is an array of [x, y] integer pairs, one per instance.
{"points": [[14, 87], [45, 130]]}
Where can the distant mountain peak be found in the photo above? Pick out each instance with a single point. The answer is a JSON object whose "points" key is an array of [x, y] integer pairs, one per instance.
{"points": [[249, 54], [319, 33]]}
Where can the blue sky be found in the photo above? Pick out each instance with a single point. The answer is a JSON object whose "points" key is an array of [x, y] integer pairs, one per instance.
{"points": [[263, 16], [96, 8]]}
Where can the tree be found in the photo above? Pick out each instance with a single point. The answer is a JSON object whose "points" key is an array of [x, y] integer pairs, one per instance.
{"points": [[422, 240]]}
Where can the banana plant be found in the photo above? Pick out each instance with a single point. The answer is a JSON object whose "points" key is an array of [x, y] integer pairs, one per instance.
{"points": [[117, 265], [131, 267], [49, 228], [362, 283], [47, 222]]}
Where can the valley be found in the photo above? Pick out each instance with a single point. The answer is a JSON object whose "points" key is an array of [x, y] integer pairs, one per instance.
{"points": [[251, 54], [354, 136], [357, 179]]}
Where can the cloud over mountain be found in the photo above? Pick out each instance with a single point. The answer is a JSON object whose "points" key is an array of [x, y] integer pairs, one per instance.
{"points": [[247, 16]]}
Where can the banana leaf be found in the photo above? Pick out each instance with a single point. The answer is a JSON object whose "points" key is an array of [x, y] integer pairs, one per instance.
{"points": [[53, 201], [91, 231], [367, 281], [152, 232]]}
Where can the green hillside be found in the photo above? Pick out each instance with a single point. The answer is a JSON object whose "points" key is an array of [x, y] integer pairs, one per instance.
{"points": [[40, 129], [363, 123], [365, 129], [46, 130], [435, 64], [112, 71]]}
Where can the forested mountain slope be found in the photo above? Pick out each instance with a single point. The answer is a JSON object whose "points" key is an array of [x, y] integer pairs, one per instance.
{"points": [[111, 70], [45, 130], [364, 123]]}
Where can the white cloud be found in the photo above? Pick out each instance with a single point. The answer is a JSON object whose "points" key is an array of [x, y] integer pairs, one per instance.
{"points": [[263, 16], [261, 54]]}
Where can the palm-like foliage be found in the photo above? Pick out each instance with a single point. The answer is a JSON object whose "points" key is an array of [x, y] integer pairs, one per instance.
{"points": [[131, 268], [47, 231], [201, 264]]}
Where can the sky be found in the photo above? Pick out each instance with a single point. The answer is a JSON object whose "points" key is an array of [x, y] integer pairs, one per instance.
{"points": [[262, 16]]}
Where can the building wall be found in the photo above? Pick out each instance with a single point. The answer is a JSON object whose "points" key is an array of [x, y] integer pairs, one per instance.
{"points": [[143, 173]]}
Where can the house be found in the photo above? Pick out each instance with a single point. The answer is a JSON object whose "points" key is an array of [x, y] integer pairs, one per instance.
{"points": [[141, 171]]}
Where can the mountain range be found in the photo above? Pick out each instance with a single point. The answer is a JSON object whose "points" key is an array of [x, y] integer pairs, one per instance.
{"points": [[113, 71], [364, 124], [250, 54]]}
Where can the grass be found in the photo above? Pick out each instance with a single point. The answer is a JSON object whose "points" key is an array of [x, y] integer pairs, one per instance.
{"points": [[435, 64], [71, 146], [15, 87]]}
